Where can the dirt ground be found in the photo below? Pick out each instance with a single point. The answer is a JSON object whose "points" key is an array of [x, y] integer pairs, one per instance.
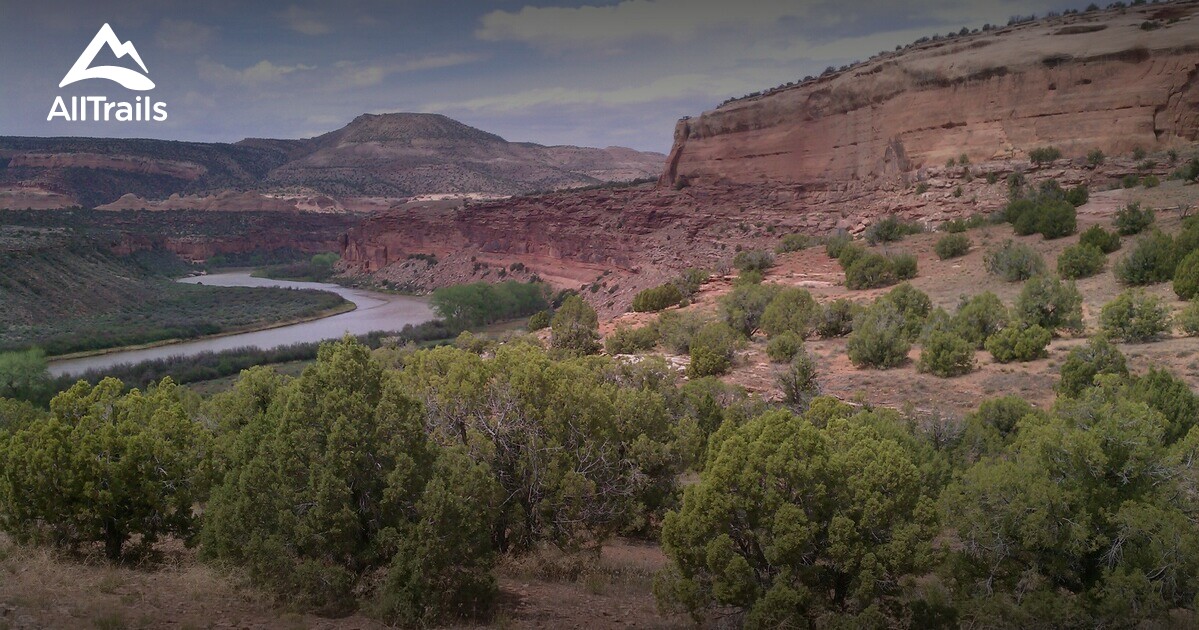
{"points": [[41, 588]]}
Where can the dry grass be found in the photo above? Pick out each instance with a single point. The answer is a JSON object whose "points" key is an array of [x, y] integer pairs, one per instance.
{"points": [[41, 588]]}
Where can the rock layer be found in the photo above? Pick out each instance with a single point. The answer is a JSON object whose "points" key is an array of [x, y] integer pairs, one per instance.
{"points": [[1082, 82]]}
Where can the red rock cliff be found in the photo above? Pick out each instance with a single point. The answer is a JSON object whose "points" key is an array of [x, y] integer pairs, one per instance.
{"points": [[1082, 82]]}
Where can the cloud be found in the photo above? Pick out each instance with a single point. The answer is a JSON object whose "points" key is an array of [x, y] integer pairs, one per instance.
{"points": [[260, 73], [303, 21], [605, 26], [670, 88], [357, 74], [183, 35]]}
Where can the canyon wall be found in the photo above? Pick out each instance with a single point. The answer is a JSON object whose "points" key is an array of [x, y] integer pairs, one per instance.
{"points": [[1081, 82]]}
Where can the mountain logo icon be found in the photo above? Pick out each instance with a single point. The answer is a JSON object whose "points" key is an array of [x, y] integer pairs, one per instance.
{"points": [[130, 79]]}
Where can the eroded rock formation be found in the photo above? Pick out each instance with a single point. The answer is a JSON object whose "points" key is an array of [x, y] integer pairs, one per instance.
{"points": [[1089, 81]]}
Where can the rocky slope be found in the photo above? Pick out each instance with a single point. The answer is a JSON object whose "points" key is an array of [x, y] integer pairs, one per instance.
{"points": [[367, 165], [1111, 80], [837, 153]]}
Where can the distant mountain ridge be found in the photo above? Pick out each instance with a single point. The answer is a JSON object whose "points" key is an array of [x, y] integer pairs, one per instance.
{"points": [[374, 156]]}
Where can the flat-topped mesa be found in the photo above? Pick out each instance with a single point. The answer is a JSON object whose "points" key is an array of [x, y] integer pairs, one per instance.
{"points": [[1095, 80]]}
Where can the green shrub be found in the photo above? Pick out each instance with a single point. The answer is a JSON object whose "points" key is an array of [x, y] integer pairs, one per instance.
{"points": [[1188, 319], [835, 243], [913, 305], [793, 243], [1151, 260], [1044, 155], [878, 339], [1131, 219], [903, 265], [1019, 343], [746, 278], [1050, 303], [870, 271], [1186, 277], [1096, 158], [798, 382], [748, 544], [1027, 223], [745, 305], [482, 303], [782, 348], [1003, 413], [836, 320], [1057, 219], [945, 354], [1024, 215], [849, 254], [1169, 395], [574, 327], [1086, 362], [952, 246], [1096, 236], [791, 310], [539, 321], [333, 482], [691, 280], [677, 328], [1080, 261], [1130, 180], [890, 230], [979, 317], [25, 376], [1014, 261], [753, 260], [657, 298], [1079, 195], [1189, 171], [628, 340], [712, 350], [105, 467], [1151, 181], [1134, 316]]}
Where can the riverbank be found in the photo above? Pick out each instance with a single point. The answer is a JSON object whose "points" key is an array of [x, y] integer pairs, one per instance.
{"points": [[372, 311], [337, 310]]}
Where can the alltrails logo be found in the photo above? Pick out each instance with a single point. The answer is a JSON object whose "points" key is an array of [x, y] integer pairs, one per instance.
{"points": [[99, 108]]}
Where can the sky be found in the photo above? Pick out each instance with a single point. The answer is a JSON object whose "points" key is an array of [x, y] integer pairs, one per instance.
{"points": [[582, 72]]}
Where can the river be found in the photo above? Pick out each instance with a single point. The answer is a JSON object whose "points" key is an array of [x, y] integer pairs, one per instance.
{"points": [[375, 311]]}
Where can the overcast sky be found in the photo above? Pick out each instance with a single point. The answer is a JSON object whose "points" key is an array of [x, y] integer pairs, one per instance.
{"points": [[591, 72]]}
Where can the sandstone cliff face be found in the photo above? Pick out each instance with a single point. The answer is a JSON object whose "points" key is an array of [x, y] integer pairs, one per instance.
{"points": [[1090, 81]]}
